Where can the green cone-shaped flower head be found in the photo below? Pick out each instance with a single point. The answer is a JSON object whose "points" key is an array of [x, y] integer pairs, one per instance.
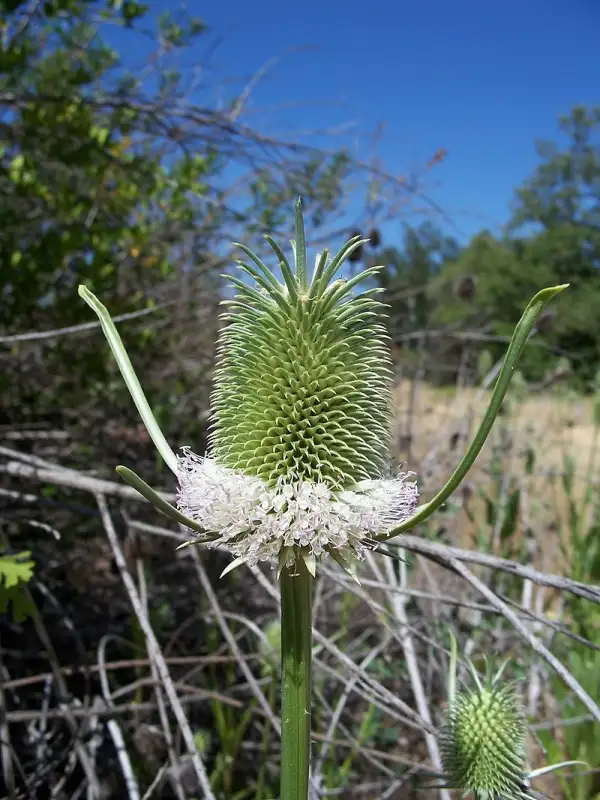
{"points": [[301, 417], [302, 389], [483, 743]]}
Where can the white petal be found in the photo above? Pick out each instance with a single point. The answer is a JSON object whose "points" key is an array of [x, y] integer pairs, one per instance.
{"points": [[255, 521]]}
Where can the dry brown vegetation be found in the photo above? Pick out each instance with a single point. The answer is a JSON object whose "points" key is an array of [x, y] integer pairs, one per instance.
{"points": [[552, 425], [380, 659]]}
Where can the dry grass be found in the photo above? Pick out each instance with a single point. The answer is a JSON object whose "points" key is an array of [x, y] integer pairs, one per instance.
{"points": [[560, 426], [440, 423], [366, 635]]}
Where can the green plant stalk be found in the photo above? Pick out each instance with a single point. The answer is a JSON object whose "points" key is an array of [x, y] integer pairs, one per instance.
{"points": [[265, 743], [296, 585], [363, 737]]}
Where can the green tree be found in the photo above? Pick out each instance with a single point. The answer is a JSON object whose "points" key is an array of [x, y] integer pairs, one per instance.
{"points": [[559, 207], [86, 192], [553, 237], [111, 177], [410, 275], [503, 275], [564, 189]]}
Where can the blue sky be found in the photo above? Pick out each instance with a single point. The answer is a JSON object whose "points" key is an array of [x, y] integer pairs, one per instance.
{"points": [[482, 79]]}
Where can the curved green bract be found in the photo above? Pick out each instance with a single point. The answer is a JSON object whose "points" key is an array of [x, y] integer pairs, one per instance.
{"points": [[160, 503], [302, 385], [130, 378], [517, 343]]}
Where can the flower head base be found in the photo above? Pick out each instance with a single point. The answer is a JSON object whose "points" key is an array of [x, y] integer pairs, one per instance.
{"points": [[301, 416]]}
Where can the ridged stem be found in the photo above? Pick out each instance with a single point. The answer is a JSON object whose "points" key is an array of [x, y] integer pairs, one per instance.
{"points": [[296, 643]]}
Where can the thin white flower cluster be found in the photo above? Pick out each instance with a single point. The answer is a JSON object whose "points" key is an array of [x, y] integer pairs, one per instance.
{"points": [[255, 521]]}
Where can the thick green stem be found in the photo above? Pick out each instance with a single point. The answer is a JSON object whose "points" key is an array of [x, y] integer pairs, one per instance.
{"points": [[296, 640]]}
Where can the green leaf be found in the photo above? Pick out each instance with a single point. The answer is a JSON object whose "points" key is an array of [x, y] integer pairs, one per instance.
{"points": [[15, 573], [15, 569]]}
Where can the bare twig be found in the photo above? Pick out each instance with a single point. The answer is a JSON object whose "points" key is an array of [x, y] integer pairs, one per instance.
{"points": [[5, 741], [75, 481], [78, 749], [154, 650], [36, 336], [160, 702], [316, 777], [444, 554], [240, 658], [398, 605], [526, 634], [157, 779]]}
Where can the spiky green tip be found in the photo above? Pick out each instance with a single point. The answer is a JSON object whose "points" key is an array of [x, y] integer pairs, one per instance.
{"points": [[302, 385], [483, 743]]}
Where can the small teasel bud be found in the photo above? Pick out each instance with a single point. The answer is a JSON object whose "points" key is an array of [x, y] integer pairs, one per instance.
{"points": [[374, 238], [483, 744], [357, 254], [482, 741], [465, 288]]}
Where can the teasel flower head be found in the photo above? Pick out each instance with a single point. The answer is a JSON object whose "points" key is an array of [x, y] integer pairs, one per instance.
{"points": [[483, 744], [301, 417], [482, 741]]}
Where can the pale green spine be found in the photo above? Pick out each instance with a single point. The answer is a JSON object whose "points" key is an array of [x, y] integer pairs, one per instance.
{"points": [[483, 743], [302, 386]]}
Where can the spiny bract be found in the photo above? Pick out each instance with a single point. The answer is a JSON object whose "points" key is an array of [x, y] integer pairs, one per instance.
{"points": [[302, 388], [483, 743]]}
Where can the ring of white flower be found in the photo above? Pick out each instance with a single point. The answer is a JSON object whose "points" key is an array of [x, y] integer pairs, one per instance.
{"points": [[255, 521]]}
